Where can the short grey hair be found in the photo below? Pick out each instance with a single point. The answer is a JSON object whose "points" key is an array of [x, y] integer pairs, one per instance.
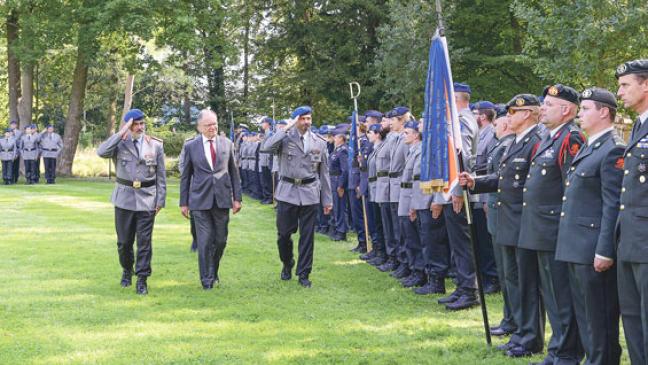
{"points": [[205, 112]]}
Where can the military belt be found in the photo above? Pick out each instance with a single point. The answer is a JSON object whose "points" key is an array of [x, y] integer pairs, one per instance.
{"points": [[382, 173], [406, 185], [50, 150], [395, 174], [373, 178], [11, 150], [298, 182], [136, 184], [30, 149]]}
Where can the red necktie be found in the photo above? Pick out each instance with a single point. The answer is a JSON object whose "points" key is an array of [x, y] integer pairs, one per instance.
{"points": [[213, 153]]}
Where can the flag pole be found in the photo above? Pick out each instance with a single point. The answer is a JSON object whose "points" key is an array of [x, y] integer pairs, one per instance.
{"points": [[355, 96], [469, 214]]}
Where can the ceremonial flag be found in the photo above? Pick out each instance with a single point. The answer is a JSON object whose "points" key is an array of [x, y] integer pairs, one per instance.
{"points": [[231, 132], [353, 139], [441, 127]]}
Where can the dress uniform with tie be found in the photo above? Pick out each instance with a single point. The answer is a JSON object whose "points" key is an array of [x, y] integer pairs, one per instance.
{"points": [[140, 191], [632, 249], [50, 147], [30, 153], [589, 214], [8, 154]]}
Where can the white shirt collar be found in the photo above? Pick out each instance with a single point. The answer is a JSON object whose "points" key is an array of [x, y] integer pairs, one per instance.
{"points": [[598, 135], [643, 117], [553, 132], [519, 137], [206, 140]]}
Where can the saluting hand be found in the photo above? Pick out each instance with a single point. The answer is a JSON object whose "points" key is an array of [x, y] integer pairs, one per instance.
{"points": [[125, 129], [291, 123]]}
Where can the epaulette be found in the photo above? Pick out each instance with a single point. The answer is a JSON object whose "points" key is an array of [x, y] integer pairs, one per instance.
{"points": [[149, 138], [322, 138]]}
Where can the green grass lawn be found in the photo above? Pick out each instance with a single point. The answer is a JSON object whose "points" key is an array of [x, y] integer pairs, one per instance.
{"points": [[61, 303]]}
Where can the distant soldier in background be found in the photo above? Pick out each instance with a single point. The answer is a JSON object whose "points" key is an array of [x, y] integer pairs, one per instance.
{"points": [[50, 147], [8, 154], [17, 134], [29, 152]]}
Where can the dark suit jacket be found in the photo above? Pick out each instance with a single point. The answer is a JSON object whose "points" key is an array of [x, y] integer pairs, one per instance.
{"points": [[509, 182], [200, 186], [591, 202]]}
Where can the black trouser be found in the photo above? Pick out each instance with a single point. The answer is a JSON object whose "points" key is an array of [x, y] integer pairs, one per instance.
{"points": [[377, 236], [128, 224], [596, 305], [530, 333], [633, 300], [266, 183], [290, 217], [487, 264], [211, 234], [460, 249], [564, 346], [16, 170], [192, 223], [391, 243], [357, 216], [413, 244], [7, 171], [397, 222], [434, 239], [30, 171], [50, 169]]}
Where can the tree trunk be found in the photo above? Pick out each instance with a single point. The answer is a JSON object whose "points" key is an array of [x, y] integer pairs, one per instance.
{"points": [[75, 110], [13, 66], [27, 99], [186, 108], [112, 118]]}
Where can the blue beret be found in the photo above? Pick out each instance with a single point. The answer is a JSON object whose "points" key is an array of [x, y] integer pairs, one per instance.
{"points": [[134, 114], [400, 111], [461, 88], [282, 122], [323, 129], [302, 110], [340, 129], [13, 122], [375, 128], [412, 125], [373, 113], [49, 126], [267, 120], [472, 106], [484, 105], [8, 130], [390, 114], [314, 129], [33, 126]]}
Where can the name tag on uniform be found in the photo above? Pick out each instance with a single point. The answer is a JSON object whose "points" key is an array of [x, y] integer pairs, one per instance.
{"points": [[519, 159], [548, 153]]}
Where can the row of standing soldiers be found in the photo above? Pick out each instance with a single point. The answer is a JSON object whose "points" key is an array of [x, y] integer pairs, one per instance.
{"points": [[29, 146]]}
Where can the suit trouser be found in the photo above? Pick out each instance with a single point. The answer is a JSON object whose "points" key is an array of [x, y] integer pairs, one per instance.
{"points": [[7, 170], [16, 169], [339, 211], [530, 332], [596, 305], [211, 234], [129, 224], [266, 183], [633, 301], [434, 241], [488, 268], [258, 190], [564, 346], [391, 242], [508, 319], [376, 229], [192, 223], [460, 249], [357, 215], [289, 218], [413, 245], [30, 171], [50, 169]]}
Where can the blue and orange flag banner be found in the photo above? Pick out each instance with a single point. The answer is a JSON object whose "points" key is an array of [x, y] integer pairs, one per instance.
{"points": [[441, 128], [353, 139]]}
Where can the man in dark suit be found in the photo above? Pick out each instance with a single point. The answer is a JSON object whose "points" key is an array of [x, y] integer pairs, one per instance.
{"points": [[209, 187], [632, 249], [586, 233], [520, 266]]}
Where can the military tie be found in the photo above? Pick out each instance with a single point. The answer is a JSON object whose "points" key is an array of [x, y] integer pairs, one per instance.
{"points": [[301, 138], [212, 150], [135, 143]]}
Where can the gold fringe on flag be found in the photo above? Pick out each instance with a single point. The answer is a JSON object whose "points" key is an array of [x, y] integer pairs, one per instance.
{"points": [[432, 186]]}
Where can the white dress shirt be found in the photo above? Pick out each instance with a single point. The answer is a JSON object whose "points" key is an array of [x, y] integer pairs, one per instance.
{"points": [[207, 149]]}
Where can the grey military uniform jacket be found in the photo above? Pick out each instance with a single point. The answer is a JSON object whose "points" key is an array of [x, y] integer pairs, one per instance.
{"points": [[8, 149], [383, 161], [469, 140], [419, 200], [372, 170], [398, 152], [633, 214], [50, 145], [591, 202], [407, 180], [149, 166], [264, 157], [298, 163], [29, 146]]}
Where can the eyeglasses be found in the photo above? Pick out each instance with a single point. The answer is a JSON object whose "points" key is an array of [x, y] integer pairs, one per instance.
{"points": [[513, 111]]}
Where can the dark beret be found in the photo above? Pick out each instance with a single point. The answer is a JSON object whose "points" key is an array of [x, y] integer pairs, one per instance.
{"points": [[390, 114], [373, 113], [375, 128], [134, 114], [562, 92], [400, 111], [601, 95], [632, 67], [302, 110], [412, 124], [522, 100], [8, 130], [461, 88], [484, 105], [282, 122], [13, 122], [500, 110], [340, 129], [33, 126]]}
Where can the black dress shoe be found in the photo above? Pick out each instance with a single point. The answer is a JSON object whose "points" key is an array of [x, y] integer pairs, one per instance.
{"points": [[506, 346], [401, 272], [303, 281], [519, 351], [140, 287], [368, 256], [286, 272], [465, 301], [450, 298], [362, 249], [500, 332], [126, 279], [492, 286], [389, 265]]}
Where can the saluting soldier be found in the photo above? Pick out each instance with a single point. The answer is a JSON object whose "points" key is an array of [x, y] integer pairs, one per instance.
{"points": [[520, 265], [29, 152], [304, 184], [586, 234], [50, 147], [632, 250], [339, 174], [8, 154], [139, 194]]}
